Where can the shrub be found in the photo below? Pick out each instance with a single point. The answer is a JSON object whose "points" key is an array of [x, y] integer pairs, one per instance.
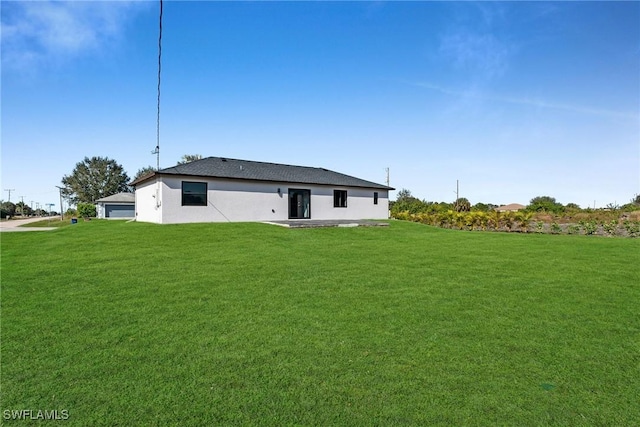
{"points": [[610, 227], [86, 210], [632, 227], [573, 229], [589, 227]]}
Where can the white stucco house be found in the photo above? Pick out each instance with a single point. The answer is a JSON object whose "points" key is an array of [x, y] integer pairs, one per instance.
{"points": [[116, 206], [217, 189]]}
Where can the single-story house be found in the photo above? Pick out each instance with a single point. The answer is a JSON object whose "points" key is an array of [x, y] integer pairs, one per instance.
{"points": [[512, 207], [120, 206], [216, 189]]}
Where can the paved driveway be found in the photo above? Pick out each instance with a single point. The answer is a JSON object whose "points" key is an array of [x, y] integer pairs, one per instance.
{"points": [[15, 225]]}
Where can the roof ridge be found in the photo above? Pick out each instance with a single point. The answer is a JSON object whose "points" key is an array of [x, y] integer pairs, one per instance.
{"points": [[266, 163]]}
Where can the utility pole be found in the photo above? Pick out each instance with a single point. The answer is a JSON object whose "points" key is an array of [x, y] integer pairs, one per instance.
{"points": [[61, 210], [22, 207], [31, 206], [387, 170], [455, 205], [9, 190]]}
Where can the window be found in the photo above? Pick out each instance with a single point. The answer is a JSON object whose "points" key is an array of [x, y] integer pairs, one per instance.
{"points": [[375, 197], [194, 193], [339, 198]]}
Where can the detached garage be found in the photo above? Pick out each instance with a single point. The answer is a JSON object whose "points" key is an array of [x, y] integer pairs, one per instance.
{"points": [[118, 206]]}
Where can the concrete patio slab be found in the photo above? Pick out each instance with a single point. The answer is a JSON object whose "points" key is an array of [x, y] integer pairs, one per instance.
{"points": [[310, 223]]}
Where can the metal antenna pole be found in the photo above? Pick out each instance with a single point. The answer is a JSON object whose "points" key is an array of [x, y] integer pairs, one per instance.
{"points": [[157, 150]]}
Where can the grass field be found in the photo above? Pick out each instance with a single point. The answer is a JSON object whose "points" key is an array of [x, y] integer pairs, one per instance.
{"points": [[250, 324]]}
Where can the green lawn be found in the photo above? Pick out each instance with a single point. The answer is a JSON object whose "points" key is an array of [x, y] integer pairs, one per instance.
{"points": [[250, 324]]}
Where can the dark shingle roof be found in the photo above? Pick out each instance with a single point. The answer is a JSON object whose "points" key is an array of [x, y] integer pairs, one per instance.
{"points": [[220, 167]]}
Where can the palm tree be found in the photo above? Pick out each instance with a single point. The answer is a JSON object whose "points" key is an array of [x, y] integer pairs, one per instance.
{"points": [[508, 218], [462, 205], [479, 219], [447, 219], [495, 219], [524, 218], [460, 220]]}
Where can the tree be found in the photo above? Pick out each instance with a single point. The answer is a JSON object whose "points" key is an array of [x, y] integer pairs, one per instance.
{"points": [[23, 209], [480, 207], [7, 209], [462, 205], [144, 171], [188, 158], [403, 195], [633, 204], [545, 204], [94, 178], [405, 202]]}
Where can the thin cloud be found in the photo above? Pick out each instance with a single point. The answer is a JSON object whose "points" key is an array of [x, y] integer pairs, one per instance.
{"points": [[482, 53], [473, 42], [530, 102], [37, 33]]}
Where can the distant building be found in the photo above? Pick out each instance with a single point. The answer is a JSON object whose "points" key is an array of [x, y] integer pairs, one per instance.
{"points": [[512, 207], [117, 206]]}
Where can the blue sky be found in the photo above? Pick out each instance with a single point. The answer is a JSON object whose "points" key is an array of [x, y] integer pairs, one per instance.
{"points": [[514, 100]]}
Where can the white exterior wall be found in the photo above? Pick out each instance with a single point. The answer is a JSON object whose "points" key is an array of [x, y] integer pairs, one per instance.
{"points": [[359, 203], [241, 201], [149, 201], [100, 211], [227, 201]]}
